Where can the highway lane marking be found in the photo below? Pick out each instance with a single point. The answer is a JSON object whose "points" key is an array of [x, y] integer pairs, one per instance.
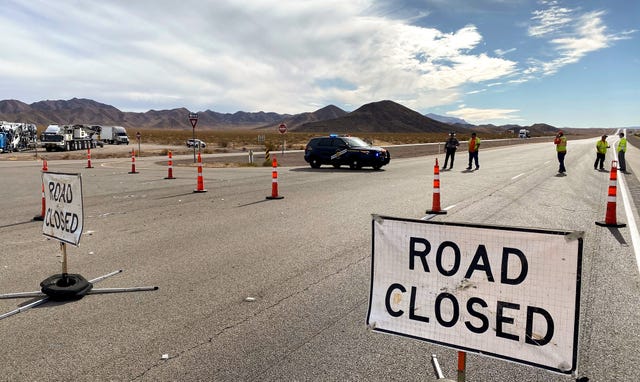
{"points": [[517, 176], [631, 221], [430, 216]]}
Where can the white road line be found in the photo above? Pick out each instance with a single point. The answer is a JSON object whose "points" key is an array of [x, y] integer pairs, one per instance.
{"points": [[517, 176], [430, 216], [631, 221]]}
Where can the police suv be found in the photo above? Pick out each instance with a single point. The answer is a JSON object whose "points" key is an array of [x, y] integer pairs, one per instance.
{"points": [[344, 150]]}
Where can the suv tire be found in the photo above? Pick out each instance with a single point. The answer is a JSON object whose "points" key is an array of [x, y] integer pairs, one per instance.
{"points": [[314, 163]]}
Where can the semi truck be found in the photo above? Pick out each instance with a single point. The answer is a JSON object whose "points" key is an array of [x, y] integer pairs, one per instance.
{"points": [[524, 133], [17, 136], [114, 135], [69, 137]]}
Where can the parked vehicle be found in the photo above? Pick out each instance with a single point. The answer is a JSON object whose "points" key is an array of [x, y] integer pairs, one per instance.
{"points": [[17, 136], [114, 135], [69, 137], [196, 143], [524, 133], [344, 150]]}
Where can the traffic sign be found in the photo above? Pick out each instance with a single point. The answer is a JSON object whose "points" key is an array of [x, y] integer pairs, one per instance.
{"points": [[64, 216], [282, 128], [510, 293], [193, 118]]}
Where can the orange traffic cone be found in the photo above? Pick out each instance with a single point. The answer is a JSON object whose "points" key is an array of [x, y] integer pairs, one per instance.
{"points": [[170, 167], [45, 167], [133, 162], [200, 179], [610, 217], [89, 158], [274, 180], [435, 208]]}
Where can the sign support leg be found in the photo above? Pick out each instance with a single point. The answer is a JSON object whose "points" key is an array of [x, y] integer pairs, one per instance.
{"points": [[436, 367], [462, 365], [65, 274], [47, 297]]}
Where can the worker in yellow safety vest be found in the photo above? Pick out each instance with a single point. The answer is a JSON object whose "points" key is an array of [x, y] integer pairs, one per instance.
{"points": [[601, 152], [622, 149], [561, 148]]}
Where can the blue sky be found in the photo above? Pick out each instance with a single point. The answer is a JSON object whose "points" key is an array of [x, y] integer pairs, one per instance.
{"points": [[565, 63]]}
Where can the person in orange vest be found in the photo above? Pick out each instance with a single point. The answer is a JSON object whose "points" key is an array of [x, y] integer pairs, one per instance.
{"points": [[561, 148], [474, 145], [601, 152]]}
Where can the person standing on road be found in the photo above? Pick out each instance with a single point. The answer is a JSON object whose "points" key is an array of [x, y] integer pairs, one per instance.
{"points": [[621, 149], [474, 145], [601, 152], [561, 148], [451, 145]]}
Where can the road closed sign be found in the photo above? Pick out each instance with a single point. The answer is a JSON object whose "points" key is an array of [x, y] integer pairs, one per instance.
{"points": [[510, 293], [63, 218]]}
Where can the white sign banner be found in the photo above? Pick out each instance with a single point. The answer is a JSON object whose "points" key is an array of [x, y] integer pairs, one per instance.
{"points": [[511, 293], [63, 218]]}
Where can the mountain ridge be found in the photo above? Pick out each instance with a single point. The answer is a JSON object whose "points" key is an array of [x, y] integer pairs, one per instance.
{"points": [[382, 116]]}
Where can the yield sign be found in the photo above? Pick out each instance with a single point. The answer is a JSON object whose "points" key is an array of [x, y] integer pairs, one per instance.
{"points": [[193, 118]]}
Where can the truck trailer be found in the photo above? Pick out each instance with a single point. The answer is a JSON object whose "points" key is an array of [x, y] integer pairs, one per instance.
{"points": [[114, 135]]}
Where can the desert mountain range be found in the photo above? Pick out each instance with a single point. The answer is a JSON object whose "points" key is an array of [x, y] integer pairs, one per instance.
{"points": [[381, 116]]}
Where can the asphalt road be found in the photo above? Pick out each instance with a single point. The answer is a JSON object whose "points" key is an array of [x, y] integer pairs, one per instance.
{"points": [[272, 290]]}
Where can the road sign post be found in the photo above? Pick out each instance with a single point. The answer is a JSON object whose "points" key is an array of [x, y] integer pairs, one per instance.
{"points": [[283, 129], [193, 118], [138, 136]]}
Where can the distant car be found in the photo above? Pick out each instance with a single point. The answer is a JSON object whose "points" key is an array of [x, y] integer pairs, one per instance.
{"points": [[344, 150], [196, 143]]}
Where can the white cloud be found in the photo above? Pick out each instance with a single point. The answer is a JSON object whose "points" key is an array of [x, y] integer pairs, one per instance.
{"points": [[236, 55], [572, 35], [549, 20], [480, 116], [502, 52]]}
